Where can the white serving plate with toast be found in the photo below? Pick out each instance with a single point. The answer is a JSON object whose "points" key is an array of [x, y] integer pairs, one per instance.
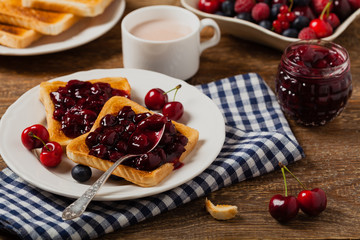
{"points": [[255, 33], [86, 30], [201, 113]]}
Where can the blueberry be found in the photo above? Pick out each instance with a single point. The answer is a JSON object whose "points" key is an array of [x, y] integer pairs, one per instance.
{"points": [[291, 32], [274, 11], [301, 2], [81, 173], [300, 22], [245, 16], [228, 9], [220, 13], [266, 24]]}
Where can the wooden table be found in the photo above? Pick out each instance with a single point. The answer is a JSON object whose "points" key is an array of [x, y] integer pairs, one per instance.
{"points": [[332, 159]]}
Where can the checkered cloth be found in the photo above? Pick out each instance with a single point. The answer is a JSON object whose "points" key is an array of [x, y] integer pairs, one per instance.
{"points": [[257, 137]]}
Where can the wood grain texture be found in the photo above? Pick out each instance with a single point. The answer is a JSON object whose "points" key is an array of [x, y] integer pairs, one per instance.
{"points": [[332, 159]]}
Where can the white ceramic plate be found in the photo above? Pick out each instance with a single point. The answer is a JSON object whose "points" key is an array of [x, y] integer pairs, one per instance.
{"points": [[255, 33], [81, 33], [200, 113]]}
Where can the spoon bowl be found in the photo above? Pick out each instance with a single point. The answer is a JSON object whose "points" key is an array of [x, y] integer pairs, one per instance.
{"points": [[77, 208]]}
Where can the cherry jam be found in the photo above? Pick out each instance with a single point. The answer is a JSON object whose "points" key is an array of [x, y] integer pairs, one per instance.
{"points": [[78, 104], [111, 140], [313, 82]]}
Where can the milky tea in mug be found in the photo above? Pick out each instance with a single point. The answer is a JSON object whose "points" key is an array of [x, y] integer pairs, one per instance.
{"points": [[165, 39], [161, 30]]}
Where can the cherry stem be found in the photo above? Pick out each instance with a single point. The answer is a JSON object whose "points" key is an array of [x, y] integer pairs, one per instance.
{"points": [[284, 167], [291, 5], [325, 10], [176, 90], [283, 173], [31, 134]]}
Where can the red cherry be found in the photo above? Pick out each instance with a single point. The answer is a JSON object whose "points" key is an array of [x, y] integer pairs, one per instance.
{"points": [[321, 28], [284, 9], [312, 202], [155, 99], [283, 208], [33, 136], [51, 153], [290, 16], [355, 4], [281, 16], [277, 26], [173, 110], [209, 6], [333, 20], [304, 11]]}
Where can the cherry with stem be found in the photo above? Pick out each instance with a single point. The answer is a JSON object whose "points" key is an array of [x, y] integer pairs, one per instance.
{"points": [[173, 110], [283, 208], [312, 202]]}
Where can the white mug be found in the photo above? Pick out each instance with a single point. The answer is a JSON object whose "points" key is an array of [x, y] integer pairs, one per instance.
{"points": [[177, 57]]}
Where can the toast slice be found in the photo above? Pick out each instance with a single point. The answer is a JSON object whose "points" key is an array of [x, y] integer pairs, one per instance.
{"points": [[78, 151], [17, 37], [54, 126], [45, 22], [84, 8]]}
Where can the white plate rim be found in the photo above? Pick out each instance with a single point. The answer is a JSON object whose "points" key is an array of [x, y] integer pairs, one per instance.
{"points": [[84, 31], [206, 150]]}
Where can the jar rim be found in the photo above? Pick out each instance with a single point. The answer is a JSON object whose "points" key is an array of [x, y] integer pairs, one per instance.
{"points": [[318, 42]]}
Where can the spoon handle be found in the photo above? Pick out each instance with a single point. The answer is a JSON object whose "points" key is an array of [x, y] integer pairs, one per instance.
{"points": [[77, 208]]}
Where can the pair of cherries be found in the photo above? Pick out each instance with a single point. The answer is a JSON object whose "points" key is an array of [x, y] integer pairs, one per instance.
{"points": [[284, 208], [37, 136], [157, 99]]}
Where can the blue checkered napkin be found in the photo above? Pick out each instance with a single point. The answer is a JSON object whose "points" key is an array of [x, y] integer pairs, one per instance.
{"points": [[257, 137]]}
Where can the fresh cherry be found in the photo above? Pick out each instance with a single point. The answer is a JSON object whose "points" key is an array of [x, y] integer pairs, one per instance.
{"points": [[322, 27], [283, 208], [209, 6], [173, 110], [312, 202], [155, 99], [333, 20], [34, 136], [51, 153]]}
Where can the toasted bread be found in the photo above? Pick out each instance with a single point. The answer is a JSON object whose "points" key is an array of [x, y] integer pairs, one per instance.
{"points": [[85, 8], [54, 126], [17, 37], [45, 22], [78, 151]]}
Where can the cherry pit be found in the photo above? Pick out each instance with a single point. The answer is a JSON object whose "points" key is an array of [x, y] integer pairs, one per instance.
{"points": [[37, 136], [157, 99], [284, 208]]}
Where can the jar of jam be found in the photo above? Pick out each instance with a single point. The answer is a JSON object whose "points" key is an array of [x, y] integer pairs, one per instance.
{"points": [[313, 83]]}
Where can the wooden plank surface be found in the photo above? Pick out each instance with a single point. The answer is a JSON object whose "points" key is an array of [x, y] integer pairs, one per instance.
{"points": [[332, 152]]}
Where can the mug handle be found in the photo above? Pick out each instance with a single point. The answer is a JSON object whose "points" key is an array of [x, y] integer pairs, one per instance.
{"points": [[207, 22]]}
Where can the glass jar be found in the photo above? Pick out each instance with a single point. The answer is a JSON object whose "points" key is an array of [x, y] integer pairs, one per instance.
{"points": [[313, 83]]}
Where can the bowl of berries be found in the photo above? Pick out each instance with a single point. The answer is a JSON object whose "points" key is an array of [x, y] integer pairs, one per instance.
{"points": [[277, 23]]}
